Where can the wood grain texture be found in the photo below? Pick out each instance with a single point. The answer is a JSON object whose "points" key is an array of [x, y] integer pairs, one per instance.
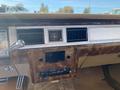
{"points": [[36, 58]]}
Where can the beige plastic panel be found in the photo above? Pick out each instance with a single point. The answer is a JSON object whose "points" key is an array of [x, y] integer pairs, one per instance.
{"points": [[98, 60]]}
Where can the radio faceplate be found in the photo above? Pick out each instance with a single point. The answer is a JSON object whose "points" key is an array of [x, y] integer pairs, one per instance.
{"points": [[52, 63]]}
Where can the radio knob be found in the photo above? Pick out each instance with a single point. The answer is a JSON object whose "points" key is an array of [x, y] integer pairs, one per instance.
{"points": [[68, 57], [40, 59]]}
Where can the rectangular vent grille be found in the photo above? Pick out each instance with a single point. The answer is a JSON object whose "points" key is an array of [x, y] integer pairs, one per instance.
{"points": [[77, 34]]}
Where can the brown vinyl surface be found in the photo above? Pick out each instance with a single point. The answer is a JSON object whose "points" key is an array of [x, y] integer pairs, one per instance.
{"points": [[88, 79], [58, 16], [10, 85]]}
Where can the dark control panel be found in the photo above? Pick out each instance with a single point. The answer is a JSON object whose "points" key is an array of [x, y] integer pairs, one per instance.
{"points": [[55, 72]]}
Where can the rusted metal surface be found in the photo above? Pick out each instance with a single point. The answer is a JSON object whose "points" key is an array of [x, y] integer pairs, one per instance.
{"points": [[37, 63], [98, 49], [89, 79], [36, 57]]}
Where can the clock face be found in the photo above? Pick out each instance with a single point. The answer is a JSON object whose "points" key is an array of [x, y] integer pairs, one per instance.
{"points": [[55, 35]]}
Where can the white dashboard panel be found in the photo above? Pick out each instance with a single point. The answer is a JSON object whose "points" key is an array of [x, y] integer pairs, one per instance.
{"points": [[96, 34], [104, 34]]}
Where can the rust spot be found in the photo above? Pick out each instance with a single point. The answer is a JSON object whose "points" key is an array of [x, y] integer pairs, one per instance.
{"points": [[99, 50]]}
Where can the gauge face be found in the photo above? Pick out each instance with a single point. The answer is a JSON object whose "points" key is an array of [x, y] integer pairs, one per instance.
{"points": [[55, 35], [31, 36], [3, 43]]}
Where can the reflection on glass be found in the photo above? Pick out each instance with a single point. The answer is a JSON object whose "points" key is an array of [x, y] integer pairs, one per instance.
{"points": [[55, 35], [31, 36], [3, 43], [61, 6]]}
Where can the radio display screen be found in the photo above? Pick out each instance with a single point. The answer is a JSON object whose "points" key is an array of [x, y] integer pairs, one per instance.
{"points": [[54, 57]]}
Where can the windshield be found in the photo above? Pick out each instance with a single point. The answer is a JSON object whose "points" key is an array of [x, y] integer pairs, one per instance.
{"points": [[60, 6]]}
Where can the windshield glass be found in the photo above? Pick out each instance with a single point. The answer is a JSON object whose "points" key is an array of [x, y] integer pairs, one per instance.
{"points": [[60, 6]]}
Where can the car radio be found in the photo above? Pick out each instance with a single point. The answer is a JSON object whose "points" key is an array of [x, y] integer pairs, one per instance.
{"points": [[51, 63], [55, 72]]}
